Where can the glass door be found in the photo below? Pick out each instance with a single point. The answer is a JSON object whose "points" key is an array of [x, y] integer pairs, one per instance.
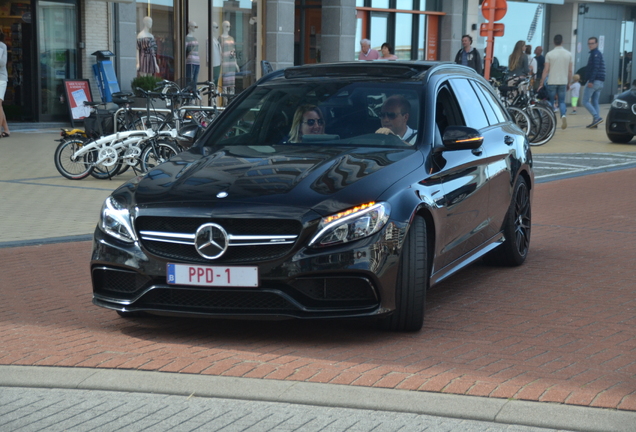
{"points": [[57, 49]]}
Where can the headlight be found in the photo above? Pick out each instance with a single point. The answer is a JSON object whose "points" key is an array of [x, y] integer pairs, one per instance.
{"points": [[352, 224], [620, 104], [115, 221]]}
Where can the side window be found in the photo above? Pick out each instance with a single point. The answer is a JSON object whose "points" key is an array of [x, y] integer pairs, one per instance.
{"points": [[447, 111], [469, 103], [492, 101], [485, 104]]}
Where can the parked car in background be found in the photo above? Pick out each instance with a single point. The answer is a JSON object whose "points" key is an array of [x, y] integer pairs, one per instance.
{"points": [[406, 172], [620, 124]]}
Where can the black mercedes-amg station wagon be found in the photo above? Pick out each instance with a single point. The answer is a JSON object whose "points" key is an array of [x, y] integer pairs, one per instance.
{"points": [[323, 191]]}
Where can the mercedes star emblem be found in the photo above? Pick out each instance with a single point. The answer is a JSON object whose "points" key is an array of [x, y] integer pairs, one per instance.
{"points": [[211, 240]]}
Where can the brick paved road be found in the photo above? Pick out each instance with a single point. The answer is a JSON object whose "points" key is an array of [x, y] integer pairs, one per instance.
{"points": [[562, 328]]}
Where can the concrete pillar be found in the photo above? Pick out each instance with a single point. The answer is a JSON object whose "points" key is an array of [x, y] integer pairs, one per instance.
{"points": [[279, 33], [338, 30], [125, 44], [451, 29]]}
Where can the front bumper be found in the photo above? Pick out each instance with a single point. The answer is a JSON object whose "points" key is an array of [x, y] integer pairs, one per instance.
{"points": [[354, 280]]}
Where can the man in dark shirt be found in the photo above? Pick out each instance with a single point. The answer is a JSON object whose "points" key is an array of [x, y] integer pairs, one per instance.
{"points": [[595, 80], [469, 56]]}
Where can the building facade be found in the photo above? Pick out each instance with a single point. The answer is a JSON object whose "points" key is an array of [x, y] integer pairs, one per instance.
{"points": [[224, 41]]}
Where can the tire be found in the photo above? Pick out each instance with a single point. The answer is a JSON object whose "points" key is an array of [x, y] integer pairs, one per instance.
{"points": [[619, 138], [547, 124], [516, 228], [521, 119], [412, 281], [73, 169], [165, 150]]}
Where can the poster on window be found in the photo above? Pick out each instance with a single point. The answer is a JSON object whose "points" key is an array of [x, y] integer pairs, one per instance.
{"points": [[78, 92]]}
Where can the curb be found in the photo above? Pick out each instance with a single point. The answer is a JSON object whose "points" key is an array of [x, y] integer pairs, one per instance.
{"points": [[504, 411]]}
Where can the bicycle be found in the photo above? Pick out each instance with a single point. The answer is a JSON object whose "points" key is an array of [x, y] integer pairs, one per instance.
{"points": [[140, 149]]}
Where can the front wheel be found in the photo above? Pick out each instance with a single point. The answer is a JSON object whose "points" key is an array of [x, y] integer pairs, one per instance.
{"points": [[73, 168], [157, 153], [516, 230], [412, 281]]}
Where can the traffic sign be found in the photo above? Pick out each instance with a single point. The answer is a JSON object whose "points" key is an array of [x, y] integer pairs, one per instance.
{"points": [[497, 29], [500, 8]]}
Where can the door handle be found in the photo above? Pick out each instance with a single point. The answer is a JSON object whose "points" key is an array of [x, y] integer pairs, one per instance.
{"points": [[509, 140]]}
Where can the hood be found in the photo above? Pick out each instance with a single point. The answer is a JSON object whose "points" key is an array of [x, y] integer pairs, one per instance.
{"points": [[304, 175]]}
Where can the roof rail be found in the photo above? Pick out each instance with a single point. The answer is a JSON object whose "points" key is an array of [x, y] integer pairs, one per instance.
{"points": [[392, 69]]}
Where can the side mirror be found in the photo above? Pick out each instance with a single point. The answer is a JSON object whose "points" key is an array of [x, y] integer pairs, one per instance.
{"points": [[461, 138]]}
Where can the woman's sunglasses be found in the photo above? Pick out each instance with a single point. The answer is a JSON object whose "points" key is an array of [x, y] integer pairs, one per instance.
{"points": [[312, 122]]}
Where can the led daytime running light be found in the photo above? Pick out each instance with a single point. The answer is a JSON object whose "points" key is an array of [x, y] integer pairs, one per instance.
{"points": [[347, 212]]}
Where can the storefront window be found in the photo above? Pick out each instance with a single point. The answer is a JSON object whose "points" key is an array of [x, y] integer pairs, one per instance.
{"points": [[403, 37], [226, 40], [155, 42]]}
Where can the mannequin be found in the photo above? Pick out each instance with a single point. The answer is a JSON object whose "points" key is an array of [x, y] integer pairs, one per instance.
{"points": [[192, 55], [229, 67], [216, 52], [146, 50]]}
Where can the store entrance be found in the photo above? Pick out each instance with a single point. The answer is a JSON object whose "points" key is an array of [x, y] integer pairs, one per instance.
{"points": [[17, 27], [57, 48]]}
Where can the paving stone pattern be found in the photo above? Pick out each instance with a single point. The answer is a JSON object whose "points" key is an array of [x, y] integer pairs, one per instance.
{"points": [[561, 328]]}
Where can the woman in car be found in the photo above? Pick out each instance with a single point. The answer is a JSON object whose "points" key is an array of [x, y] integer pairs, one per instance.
{"points": [[307, 120]]}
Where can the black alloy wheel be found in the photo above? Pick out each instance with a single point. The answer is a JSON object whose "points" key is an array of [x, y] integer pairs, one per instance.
{"points": [[516, 229]]}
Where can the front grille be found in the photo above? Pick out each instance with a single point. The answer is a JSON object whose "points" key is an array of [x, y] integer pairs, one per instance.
{"points": [[232, 226], [173, 238], [117, 280], [188, 253], [214, 301]]}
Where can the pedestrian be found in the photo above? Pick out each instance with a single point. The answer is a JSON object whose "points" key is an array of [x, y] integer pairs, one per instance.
{"points": [[537, 66], [518, 60], [469, 56], [387, 52], [575, 88], [558, 64], [366, 53], [595, 79], [4, 78]]}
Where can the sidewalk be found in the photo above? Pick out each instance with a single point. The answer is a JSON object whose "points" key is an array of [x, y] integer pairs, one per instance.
{"points": [[549, 344]]}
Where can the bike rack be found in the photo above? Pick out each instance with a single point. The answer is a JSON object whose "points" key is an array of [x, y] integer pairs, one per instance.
{"points": [[168, 111]]}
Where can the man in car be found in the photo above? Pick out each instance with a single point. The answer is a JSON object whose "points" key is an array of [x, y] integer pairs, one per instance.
{"points": [[394, 115]]}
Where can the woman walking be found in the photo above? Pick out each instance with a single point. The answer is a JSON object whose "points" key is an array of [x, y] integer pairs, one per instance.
{"points": [[518, 60]]}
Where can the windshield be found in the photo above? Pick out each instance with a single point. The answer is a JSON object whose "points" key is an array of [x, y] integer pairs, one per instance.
{"points": [[324, 112]]}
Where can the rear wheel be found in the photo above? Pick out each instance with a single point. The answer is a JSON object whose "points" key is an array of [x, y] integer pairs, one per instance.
{"points": [[156, 154], [516, 229], [619, 138], [521, 119], [412, 281], [73, 168]]}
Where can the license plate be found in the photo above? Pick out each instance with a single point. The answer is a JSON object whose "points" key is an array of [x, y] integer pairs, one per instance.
{"points": [[212, 276]]}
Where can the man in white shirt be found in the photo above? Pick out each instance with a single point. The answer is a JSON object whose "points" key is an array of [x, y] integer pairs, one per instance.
{"points": [[394, 115], [558, 64]]}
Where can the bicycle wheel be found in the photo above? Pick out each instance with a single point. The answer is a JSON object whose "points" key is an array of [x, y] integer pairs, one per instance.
{"points": [[73, 169], [548, 124], [102, 172], [521, 119], [156, 153]]}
